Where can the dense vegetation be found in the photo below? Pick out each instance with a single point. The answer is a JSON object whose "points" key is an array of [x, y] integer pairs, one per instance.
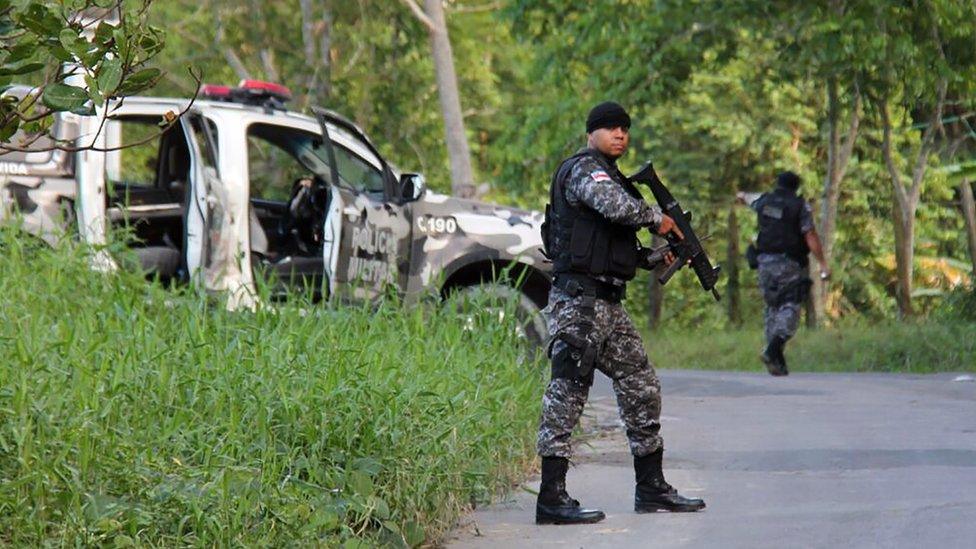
{"points": [[724, 94], [131, 413]]}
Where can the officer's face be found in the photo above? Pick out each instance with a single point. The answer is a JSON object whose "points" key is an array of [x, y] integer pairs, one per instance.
{"points": [[610, 141]]}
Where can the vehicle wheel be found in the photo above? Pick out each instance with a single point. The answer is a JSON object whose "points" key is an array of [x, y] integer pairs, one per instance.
{"points": [[499, 297]]}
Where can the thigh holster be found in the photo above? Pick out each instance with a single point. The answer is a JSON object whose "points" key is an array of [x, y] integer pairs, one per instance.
{"points": [[796, 291], [573, 357]]}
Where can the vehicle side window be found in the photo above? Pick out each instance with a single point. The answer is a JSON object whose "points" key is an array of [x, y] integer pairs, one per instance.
{"points": [[356, 173], [134, 163], [207, 148], [275, 157]]}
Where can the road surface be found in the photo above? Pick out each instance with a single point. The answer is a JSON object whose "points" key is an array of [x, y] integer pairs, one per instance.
{"points": [[809, 460]]}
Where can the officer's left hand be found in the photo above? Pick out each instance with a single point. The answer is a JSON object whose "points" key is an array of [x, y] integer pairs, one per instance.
{"points": [[667, 225]]}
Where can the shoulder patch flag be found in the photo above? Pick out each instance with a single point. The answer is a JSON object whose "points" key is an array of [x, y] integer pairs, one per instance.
{"points": [[600, 175]]}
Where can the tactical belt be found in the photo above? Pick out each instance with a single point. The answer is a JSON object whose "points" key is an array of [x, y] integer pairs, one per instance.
{"points": [[576, 285]]}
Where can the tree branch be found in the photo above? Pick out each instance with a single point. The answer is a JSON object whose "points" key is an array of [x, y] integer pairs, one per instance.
{"points": [[421, 16], [900, 193], [232, 59], [847, 149], [5, 148]]}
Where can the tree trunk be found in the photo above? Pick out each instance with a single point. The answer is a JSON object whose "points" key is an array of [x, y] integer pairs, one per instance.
{"points": [[906, 198], [462, 178], [732, 289], [969, 214], [838, 156], [655, 292], [904, 222], [318, 58]]}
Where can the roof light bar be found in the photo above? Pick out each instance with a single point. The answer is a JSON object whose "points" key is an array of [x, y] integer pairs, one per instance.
{"points": [[215, 91], [271, 88], [249, 92]]}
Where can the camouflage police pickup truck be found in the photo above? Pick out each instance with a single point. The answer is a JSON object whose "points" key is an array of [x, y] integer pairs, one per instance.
{"points": [[240, 189]]}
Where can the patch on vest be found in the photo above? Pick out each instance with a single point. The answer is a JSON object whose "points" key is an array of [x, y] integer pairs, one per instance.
{"points": [[600, 176], [774, 212]]}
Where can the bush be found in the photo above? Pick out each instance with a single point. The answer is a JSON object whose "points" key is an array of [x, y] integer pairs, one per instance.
{"points": [[134, 414], [960, 304]]}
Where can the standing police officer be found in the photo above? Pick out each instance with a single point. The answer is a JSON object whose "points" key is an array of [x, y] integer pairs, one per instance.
{"points": [[591, 236], [786, 236]]}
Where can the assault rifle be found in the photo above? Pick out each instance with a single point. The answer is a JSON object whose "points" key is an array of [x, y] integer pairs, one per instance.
{"points": [[686, 251]]}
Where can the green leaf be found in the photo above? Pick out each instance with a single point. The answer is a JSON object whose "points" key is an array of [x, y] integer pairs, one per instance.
{"points": [[7, 131], [68, 37], [109, 76], [24, 68], [381, 509], [41, 20], [139, 81], [325, 520], [94, 92], [121, 43], [20, 52], [359, 483], [62, 97], [413, 533], [367, 465], [104, 34], [60, 53]]}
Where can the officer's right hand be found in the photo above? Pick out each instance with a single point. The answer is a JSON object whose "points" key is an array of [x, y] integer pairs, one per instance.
{"points": [[667, 225]]}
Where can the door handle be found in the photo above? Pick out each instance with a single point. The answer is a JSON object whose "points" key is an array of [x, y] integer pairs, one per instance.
{"points": [[351, 213]]}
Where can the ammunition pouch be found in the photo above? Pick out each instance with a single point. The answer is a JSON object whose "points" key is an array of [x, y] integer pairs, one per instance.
{"points": [[598, 247]]}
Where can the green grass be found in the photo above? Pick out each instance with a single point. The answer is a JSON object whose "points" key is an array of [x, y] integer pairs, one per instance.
{"points": [[130, 414], [919, 347]]}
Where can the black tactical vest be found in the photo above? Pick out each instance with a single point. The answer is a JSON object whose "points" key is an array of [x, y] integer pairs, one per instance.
{"points": [[779, 225], [580, 240]]}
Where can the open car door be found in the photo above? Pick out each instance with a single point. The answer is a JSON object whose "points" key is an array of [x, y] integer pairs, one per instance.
{"points": [[367, 229], [213, 242]]}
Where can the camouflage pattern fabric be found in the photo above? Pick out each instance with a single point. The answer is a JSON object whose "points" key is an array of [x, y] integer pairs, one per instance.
{"points": [[590, 183], [777, 271], [621, 357]]}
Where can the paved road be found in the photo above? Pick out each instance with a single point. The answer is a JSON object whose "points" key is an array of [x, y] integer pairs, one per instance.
{"points": [[811, 460]]}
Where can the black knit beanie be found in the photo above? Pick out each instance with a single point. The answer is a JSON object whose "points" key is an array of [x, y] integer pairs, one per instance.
{"points": [[607, 115], [788, 180]]}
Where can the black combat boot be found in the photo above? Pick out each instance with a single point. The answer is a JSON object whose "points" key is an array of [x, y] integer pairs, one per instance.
{"points": [[654, 493], [773, 357], [554, 505]]}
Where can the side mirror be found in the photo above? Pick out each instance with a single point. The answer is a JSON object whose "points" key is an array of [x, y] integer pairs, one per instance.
{"points": [[412, 186]]}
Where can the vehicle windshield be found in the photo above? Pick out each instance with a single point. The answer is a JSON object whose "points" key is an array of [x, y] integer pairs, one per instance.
{"points": [[307, 149]]}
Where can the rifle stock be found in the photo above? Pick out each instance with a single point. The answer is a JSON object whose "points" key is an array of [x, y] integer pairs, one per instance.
{"points": [[686, 251]]}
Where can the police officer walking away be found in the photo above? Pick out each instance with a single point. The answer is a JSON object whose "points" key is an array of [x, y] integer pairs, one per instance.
{"points": [[591, 237], [786, 237]]}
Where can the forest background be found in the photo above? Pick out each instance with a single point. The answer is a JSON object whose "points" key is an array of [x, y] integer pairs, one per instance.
{"points": [[870, 102]]}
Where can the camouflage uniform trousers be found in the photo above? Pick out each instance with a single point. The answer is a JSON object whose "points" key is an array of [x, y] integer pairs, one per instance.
{"points": [[777, 271], [621, 357]]}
